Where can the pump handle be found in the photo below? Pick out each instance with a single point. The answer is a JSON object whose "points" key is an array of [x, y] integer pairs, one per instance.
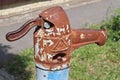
{"points": [[17, 34]]}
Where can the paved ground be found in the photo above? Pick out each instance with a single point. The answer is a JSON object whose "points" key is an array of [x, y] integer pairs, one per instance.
{"points": [[80, 15], [5, 76]]}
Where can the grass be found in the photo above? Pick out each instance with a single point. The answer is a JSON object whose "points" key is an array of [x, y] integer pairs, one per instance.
{"points": [[22, 67], [90, 62]]}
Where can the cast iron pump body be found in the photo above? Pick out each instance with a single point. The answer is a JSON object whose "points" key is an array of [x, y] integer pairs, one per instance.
{"points": [[54, 40]]}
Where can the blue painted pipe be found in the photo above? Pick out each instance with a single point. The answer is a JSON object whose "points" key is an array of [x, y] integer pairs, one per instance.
{"points": [[52, 75]]}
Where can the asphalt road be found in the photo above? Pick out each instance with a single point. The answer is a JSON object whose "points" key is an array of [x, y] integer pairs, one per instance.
{"points": [[81, 15]]}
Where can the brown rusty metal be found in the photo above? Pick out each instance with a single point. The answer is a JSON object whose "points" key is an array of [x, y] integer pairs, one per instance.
{"points": [[87, 36], [54, 40], [15, 35]]}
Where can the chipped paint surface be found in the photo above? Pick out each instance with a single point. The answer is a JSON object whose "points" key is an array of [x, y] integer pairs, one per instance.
{"points": [[82, 36], [45, 45], [41, 66], [48, 42], [49, 57], [103, 32], [52, 75], [40, 33], [49, 30], [37, 48], [41, 50], [69, 42], [59, 30], [58, 67], [67, 28], [53, 42]]}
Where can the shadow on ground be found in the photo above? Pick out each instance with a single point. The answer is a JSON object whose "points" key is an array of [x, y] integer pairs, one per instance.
{"points": [[5, 56], [16, 65]]}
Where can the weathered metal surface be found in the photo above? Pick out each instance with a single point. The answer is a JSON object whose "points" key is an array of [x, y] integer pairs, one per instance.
{"points": [[87, 36], [52, 75], [54, 40]]}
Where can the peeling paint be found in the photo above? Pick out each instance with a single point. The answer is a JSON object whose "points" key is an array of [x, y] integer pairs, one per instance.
{"points": [[41, 66], [49, 30], [103, 32], [40, 33], [67, 27], [64, 59], [47, 18], [82, 36], [66, 38], [37, 48], [64, 65], [49, 57], [43, 57], [58, 34], [50, 16], [62, 29], [41, 50], [54, 34], [69, 42], [48, 42], [59, 30]]}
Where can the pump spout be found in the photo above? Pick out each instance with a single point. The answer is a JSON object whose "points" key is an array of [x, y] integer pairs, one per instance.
{"points": [[82, 37]]}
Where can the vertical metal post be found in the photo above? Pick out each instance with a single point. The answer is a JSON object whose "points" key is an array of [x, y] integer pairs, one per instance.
{"points": [[52, 75]]}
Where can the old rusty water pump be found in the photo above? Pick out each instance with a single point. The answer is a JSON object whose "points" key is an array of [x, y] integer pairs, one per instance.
{"points": [[54, 40]]}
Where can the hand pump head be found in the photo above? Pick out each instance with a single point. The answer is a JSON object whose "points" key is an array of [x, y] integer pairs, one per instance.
{"points": [[54, 40]]}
